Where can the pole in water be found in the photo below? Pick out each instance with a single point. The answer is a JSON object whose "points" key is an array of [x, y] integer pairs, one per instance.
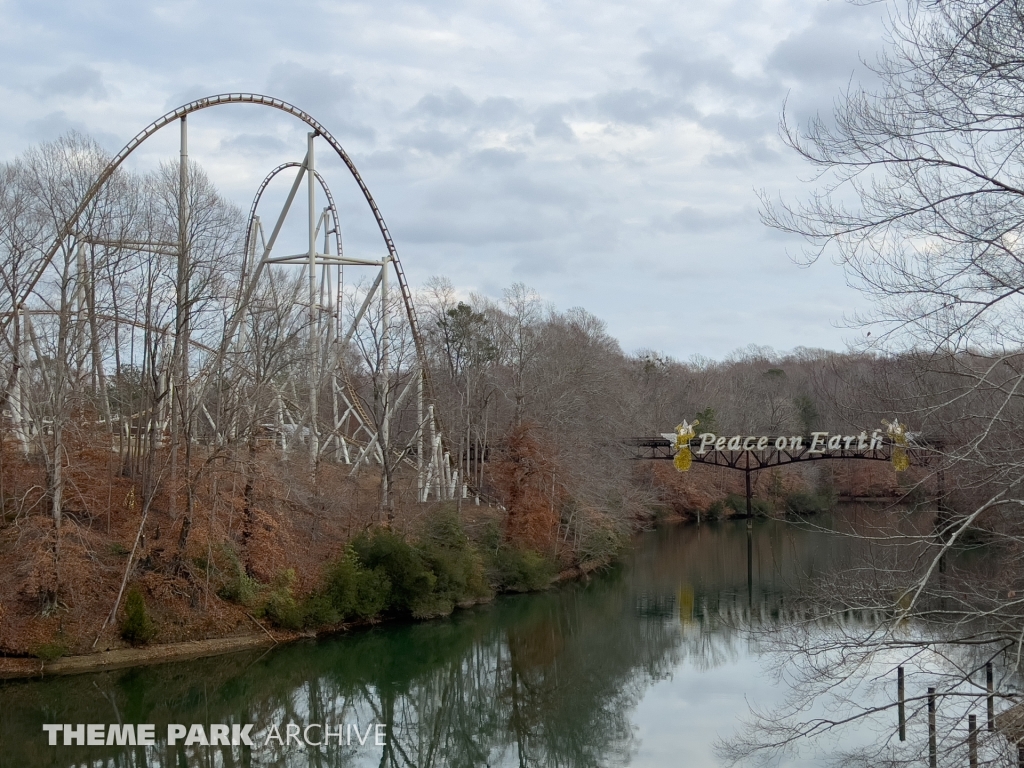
{"points": [[972, 740], [1020, 755], [750, 562], [750, 496], [932, 749], [902, 704], [991, 697]]}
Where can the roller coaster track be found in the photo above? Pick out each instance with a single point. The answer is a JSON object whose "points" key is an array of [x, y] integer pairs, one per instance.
{"points": [[68, 229]]}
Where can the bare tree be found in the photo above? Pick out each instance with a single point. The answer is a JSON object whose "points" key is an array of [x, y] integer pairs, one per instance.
{"points": [[383, 345], [920, 197], [517, 326]]}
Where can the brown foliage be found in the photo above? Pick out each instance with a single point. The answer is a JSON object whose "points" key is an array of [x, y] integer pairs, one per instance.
{"points": [[525, 478], [686, 493], [57, 591]]}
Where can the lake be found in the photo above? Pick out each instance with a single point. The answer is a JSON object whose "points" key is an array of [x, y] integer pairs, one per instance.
{"points": [[652, 663]]}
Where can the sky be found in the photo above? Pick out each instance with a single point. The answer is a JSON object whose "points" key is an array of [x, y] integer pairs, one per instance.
{"points": [[606, 154]]}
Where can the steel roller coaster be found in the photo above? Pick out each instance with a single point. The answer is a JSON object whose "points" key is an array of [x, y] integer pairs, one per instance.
{"points": [[346, 430]]}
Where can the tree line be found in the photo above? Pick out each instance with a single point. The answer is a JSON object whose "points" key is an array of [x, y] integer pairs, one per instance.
{"points": [[145, 373]]}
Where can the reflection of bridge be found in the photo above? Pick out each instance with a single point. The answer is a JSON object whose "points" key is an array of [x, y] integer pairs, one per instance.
{"points": [[726, 610]]}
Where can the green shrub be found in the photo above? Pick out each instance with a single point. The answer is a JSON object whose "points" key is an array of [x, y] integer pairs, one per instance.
{"points": [[411, 581], [280, 606], [511, 569], [489, 540], [381, 571], [444, 529], [457, 567], [373, 592], [520, 570], [274, 601], [50, 651], [600, 544], [716, 511], [351, 590], [758, 507], [136, 627], [239, 587], [317, 611]]}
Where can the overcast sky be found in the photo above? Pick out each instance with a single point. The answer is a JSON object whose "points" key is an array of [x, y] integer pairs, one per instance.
{"points": [[606, 154]]}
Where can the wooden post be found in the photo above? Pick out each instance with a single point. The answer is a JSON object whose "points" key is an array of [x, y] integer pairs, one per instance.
{"points": [[972, 740], [902, 704], [991, 697], [932, 749]]}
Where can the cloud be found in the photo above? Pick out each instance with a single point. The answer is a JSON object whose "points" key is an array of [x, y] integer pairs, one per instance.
{"points": [[695, 74], [455, 112], [498, 110], [638, 106], [476, 231], [495, 158], [559, 143], [746, 155], [75, 82], [254, 144], [451, 104], [691, 218], [550, 123], [437, 143], [53, 125], [330, 97], [391, 160], [828, 49]]}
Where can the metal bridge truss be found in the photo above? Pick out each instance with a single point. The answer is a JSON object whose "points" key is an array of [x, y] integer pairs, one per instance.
{"points": [[753, 460]]}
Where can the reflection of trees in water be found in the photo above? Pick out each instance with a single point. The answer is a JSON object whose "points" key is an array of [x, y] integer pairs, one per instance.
{"points": [[705, 587], [540, 680], [842, 696], [537, 680], [840, 664]]}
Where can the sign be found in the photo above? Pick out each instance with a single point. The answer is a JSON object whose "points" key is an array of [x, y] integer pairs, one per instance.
{"points": [[688, 446], [817, 442]]}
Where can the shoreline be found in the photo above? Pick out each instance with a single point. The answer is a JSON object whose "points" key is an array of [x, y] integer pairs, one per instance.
{"points": [[25, 668], [20, 668]]}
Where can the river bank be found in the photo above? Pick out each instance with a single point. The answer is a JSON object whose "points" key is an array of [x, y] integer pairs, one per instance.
{"points": [[14, 668], [647, 659], [286, 572]]}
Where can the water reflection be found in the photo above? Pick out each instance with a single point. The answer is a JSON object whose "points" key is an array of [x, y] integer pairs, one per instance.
{"points": [[537, 680]]}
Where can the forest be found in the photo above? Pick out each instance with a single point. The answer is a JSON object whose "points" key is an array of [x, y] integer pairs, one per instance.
{"points": [[178, 463]]}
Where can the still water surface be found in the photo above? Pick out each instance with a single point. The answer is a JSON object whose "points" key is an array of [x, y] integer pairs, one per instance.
{"points": [[646, 665]]}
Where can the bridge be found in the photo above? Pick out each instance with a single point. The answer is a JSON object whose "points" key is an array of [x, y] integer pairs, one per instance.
{"points": [[752, 453]]}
